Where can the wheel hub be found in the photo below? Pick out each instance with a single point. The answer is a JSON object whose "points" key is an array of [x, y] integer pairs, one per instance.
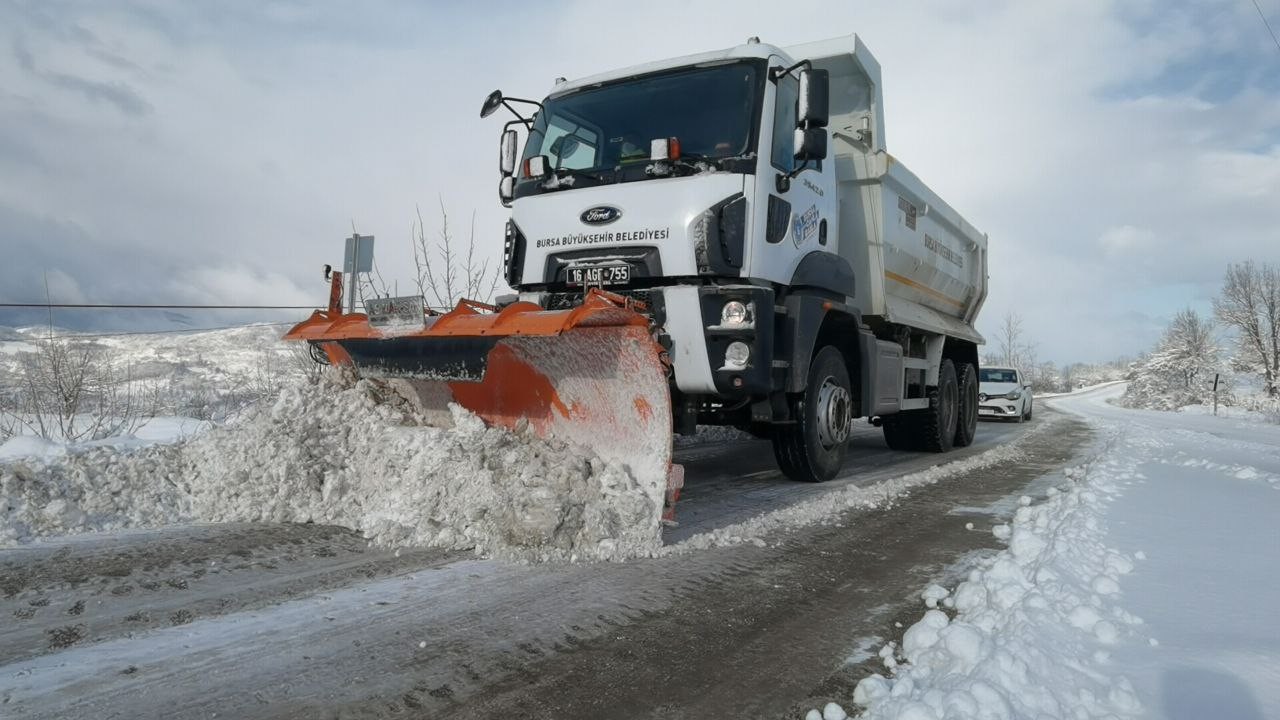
{"points": [[834, 414]]}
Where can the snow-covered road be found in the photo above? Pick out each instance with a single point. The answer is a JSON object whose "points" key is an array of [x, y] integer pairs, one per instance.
{"points": [[1205, 516], [1143, 586]]}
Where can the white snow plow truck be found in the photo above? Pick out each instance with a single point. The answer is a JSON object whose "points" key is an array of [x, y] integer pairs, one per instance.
{"points": [[715, 239]]}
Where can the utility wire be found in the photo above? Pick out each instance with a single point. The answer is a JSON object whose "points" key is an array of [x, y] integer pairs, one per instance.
{"points": [[1274, 39], [98, 306], [94, 336]]}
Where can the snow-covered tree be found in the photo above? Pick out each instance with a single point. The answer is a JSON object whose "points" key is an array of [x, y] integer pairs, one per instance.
{"points": [[1181, 369], [1250, 305]]}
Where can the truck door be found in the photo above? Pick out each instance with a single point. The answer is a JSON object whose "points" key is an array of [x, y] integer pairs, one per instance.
{"points": [[800, 217]]}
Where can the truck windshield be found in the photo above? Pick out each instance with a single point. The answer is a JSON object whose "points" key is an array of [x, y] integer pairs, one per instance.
{"points": [[602, 134]]}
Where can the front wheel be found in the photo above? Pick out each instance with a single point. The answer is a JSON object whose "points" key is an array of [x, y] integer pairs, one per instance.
{"points": [[812, 448]]}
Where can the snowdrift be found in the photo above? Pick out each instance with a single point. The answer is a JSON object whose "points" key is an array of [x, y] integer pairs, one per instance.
{"points": [[351, 454]]}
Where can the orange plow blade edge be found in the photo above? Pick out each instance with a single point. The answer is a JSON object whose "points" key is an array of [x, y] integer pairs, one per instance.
{"points": [[590, 376]]}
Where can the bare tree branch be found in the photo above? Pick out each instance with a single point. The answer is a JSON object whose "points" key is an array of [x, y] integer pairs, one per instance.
{"points": [[1250, 304], [456, 274]]}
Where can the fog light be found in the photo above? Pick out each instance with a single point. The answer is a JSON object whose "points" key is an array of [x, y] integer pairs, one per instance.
{"points": [[735, 314], [736, 355]]}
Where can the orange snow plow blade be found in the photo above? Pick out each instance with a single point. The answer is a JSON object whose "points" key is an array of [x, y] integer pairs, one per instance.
{"points": [[591, 376]]}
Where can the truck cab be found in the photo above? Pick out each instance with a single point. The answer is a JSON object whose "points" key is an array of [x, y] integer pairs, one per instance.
{"points": [[739, 195]]}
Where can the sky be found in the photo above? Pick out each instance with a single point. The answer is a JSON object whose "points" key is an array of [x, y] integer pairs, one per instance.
{"points": [[1118, 154]]}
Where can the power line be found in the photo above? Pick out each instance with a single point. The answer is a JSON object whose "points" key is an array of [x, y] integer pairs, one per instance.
{"points": [[79, 336], [1274, 39], [100, 306]]}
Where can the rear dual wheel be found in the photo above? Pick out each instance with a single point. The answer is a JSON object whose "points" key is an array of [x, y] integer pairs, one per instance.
{"points": [[951, 420]]}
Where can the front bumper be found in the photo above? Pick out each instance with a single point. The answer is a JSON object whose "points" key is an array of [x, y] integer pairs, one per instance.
{"points": [[1001, 408]]}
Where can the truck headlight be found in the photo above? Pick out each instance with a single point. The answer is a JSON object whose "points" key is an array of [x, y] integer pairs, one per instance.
{"points": [[737, 355], [1013, 395], [735, 314]]}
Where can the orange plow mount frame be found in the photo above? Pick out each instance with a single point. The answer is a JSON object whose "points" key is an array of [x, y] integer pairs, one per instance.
{"points": [[591, 375]]}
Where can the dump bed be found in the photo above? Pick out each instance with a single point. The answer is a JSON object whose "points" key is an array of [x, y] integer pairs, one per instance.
{"points": [[916, 260]]}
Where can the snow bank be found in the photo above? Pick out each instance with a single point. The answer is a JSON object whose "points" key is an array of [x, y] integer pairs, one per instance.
{"points": [[351, 455], [1028, 633]]}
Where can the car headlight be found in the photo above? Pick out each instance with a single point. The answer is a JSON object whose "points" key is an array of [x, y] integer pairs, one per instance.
{"points": [[735, 314], [736, 355], [1013, 395]]}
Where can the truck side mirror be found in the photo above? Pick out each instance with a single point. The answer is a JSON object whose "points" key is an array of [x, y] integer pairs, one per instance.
{"points": [[811, 144], [507, 190], [815, 96], [491, 103], [507, 153]]}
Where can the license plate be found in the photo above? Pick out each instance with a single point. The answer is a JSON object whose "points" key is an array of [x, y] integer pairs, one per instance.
{"points": [[986, 411], [394, 311], [600, 275]]}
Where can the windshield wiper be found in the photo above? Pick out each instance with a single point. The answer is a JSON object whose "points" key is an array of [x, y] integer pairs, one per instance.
{"points": [[563, 177], [695, 163]]}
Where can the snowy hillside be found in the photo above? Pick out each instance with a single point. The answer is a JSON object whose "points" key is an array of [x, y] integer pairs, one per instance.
{"points": [[221, 358], [160, 380]]}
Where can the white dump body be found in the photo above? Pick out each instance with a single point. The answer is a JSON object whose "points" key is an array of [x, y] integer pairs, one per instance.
{"points": [[917, 261]]}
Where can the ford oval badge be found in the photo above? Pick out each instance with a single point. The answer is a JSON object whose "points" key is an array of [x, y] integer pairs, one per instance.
{"points": [[600, 215]]}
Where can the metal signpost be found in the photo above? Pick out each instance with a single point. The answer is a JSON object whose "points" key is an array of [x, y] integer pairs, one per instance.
{"points": [[358, 259]]}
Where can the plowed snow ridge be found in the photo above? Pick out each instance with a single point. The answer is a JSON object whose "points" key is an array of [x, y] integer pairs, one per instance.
{"points": [[347, 454]]}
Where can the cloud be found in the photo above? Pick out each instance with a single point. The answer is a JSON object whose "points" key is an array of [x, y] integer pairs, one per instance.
{"points": [[116, 93], [1126, 240], [1119, 154]]}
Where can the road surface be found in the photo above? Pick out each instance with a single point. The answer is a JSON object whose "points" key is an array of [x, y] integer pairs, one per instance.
{"points": [[302, 621]]}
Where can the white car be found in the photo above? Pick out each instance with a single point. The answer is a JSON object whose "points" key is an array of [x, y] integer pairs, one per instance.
{"points": [[1003, 393]]}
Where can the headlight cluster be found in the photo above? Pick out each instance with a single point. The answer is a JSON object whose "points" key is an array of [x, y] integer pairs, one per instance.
{"points": [[737, 355], [735, 314], [1014, 395]]}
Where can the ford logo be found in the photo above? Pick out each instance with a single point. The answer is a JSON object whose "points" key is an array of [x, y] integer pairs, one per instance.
{"points": [[600, 215]]}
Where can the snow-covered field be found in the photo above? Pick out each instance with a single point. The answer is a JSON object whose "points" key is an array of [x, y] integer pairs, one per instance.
{"points": [[1144, 585]]}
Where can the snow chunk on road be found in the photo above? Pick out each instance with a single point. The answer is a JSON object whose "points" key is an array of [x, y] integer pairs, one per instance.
{"points": [[354, 455]]}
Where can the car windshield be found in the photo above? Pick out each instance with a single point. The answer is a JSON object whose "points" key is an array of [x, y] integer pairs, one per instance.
{"points": [[603, 134], [988, 375]]}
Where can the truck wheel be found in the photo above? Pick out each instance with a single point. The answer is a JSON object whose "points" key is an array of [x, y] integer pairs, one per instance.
{"points": [[938, 423], [967, 422], [812, 448]]}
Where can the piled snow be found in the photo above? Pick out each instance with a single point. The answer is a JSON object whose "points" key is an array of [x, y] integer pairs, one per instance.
{"points": [[20, 446], [712, 435], [1028, 633], [352, 456]]}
